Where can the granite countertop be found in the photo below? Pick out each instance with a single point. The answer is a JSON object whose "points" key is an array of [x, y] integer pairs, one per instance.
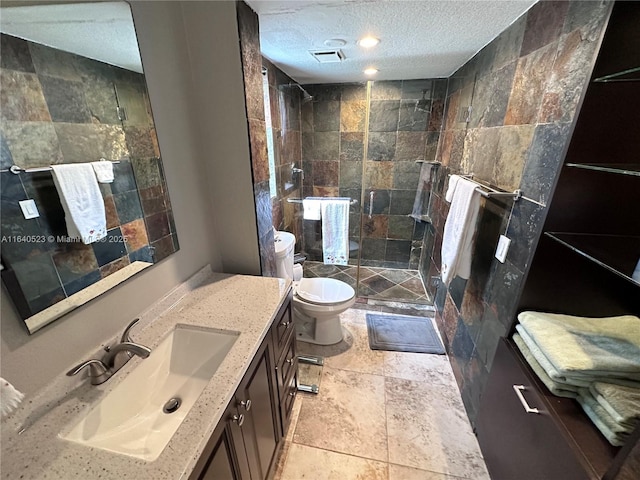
{"points": [[244, 304]]}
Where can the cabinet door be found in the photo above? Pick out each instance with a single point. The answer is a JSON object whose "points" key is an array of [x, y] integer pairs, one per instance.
{"points": [[287, 399], [258, 402], [517, 444], [224, 457]]}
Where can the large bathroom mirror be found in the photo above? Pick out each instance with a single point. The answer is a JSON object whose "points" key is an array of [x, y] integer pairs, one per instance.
{"points": [[73, 91]]}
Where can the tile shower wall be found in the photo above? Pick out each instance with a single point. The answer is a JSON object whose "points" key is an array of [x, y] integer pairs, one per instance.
{"points": [[61, 108], [251, 57], [405, 119], [524, 88], [286, 143]]}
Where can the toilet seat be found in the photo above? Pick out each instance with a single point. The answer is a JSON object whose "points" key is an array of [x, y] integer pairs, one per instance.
{"points": [[324, 291]]}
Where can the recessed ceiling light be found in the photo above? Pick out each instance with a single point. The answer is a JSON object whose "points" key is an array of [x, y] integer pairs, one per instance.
{"points": [[368, 42], [371, 71], [335, 42]]}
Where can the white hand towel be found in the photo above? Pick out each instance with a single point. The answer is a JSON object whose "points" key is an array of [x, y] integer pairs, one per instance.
{"points": [[9, 397], [459, 230], [311, 207], [335, 231], [420, 210], [104, 171], [453, 181], [81, 200]]}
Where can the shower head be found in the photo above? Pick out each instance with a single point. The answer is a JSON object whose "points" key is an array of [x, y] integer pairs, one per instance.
{"points": [[306, 96]]}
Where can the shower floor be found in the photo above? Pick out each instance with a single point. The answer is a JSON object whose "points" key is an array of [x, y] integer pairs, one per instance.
{"points": [[386, 284]]}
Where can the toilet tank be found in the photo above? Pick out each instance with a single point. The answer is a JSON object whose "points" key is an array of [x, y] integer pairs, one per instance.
{"points": [[285, 243]]}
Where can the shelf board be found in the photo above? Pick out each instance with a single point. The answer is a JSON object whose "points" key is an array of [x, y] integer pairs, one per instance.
{"points": [[620, 168], [619, 254], [623, 76]]}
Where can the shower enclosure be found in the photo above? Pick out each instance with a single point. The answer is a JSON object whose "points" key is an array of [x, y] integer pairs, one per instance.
{"points": [[368, 142]]}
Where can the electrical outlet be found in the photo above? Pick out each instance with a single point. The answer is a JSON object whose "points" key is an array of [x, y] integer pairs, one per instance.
{"points": [[29, 209], [503, 248]]}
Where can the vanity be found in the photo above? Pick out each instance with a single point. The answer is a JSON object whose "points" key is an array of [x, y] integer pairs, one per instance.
{"points": [[233, 430]]}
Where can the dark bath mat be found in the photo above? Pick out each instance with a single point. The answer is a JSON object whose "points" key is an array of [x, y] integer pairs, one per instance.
{"points": [[403, 333]]}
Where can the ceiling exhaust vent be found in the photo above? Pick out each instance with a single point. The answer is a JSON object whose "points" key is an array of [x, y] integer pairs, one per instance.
{"points": [[327, 56]]}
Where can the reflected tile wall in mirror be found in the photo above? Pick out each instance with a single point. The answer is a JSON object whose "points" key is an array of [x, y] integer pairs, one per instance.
{"points": [[57, 107]]}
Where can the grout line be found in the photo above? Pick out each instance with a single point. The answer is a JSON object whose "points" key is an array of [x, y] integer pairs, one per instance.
{"points": [[342, 453]]}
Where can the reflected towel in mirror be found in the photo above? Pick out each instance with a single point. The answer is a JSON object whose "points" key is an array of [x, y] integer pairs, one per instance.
{"points": [[81, 200]]}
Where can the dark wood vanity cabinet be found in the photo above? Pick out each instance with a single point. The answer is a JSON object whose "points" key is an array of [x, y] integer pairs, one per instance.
{"points": [[246, 442], [583, 265], [516, 443]]}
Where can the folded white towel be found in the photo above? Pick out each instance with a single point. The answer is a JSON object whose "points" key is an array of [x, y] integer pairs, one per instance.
{"points": [[81, 200], [104, 171], [459, 230], [311, 207], [453, 182], [335, 231]]}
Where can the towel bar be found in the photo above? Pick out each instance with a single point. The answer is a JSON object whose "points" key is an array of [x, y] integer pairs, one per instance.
{"points": [[15, 169], [493, 193], [299, 200]]}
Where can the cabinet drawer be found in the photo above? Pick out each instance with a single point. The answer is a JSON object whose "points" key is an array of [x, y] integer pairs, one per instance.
{"points": [[282, 327], [287, 364], [516, 443]]}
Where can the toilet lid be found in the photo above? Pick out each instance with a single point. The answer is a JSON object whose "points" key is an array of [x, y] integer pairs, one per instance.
{"points": [[324, 290]]}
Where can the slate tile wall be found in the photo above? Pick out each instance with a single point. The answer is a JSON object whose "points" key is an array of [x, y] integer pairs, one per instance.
{"points": [[57, 107], [524, 89], [399, 134], [251, 57]]}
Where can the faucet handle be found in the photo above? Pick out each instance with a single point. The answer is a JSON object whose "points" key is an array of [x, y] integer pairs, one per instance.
{"points": [[126, 337], [98, 371]]}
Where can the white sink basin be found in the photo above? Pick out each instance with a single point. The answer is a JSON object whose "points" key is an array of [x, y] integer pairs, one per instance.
{"points": [[130, 419]]}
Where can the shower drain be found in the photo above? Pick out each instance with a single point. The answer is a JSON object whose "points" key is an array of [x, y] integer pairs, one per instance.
{"points": [[172, 405]]}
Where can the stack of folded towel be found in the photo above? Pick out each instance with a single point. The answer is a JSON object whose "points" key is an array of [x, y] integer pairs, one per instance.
{"points": [[594, 360]]}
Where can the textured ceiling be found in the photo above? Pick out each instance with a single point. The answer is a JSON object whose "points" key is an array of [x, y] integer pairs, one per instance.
{"points": [[419, 39], [102, 31]]}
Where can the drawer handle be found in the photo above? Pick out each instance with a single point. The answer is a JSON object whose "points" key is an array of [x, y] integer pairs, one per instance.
{"points": [[239, 419], [289, 360], [519, 389], [246, 404], [293, 394], [285, 324]]}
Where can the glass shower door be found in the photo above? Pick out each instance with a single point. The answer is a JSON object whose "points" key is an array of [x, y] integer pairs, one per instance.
{"points": [[365, 142], [399, 139]]}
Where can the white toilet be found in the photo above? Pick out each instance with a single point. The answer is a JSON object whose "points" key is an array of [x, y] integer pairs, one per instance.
{"points": [[317, 302]]}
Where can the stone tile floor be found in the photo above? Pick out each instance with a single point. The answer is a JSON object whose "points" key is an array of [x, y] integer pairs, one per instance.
{"points": [[379, 416], [376, 283]]}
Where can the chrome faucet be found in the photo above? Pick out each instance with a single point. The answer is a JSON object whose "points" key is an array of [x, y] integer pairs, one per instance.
{"points": [[98, 371], [116, 357], [113, 361]]}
